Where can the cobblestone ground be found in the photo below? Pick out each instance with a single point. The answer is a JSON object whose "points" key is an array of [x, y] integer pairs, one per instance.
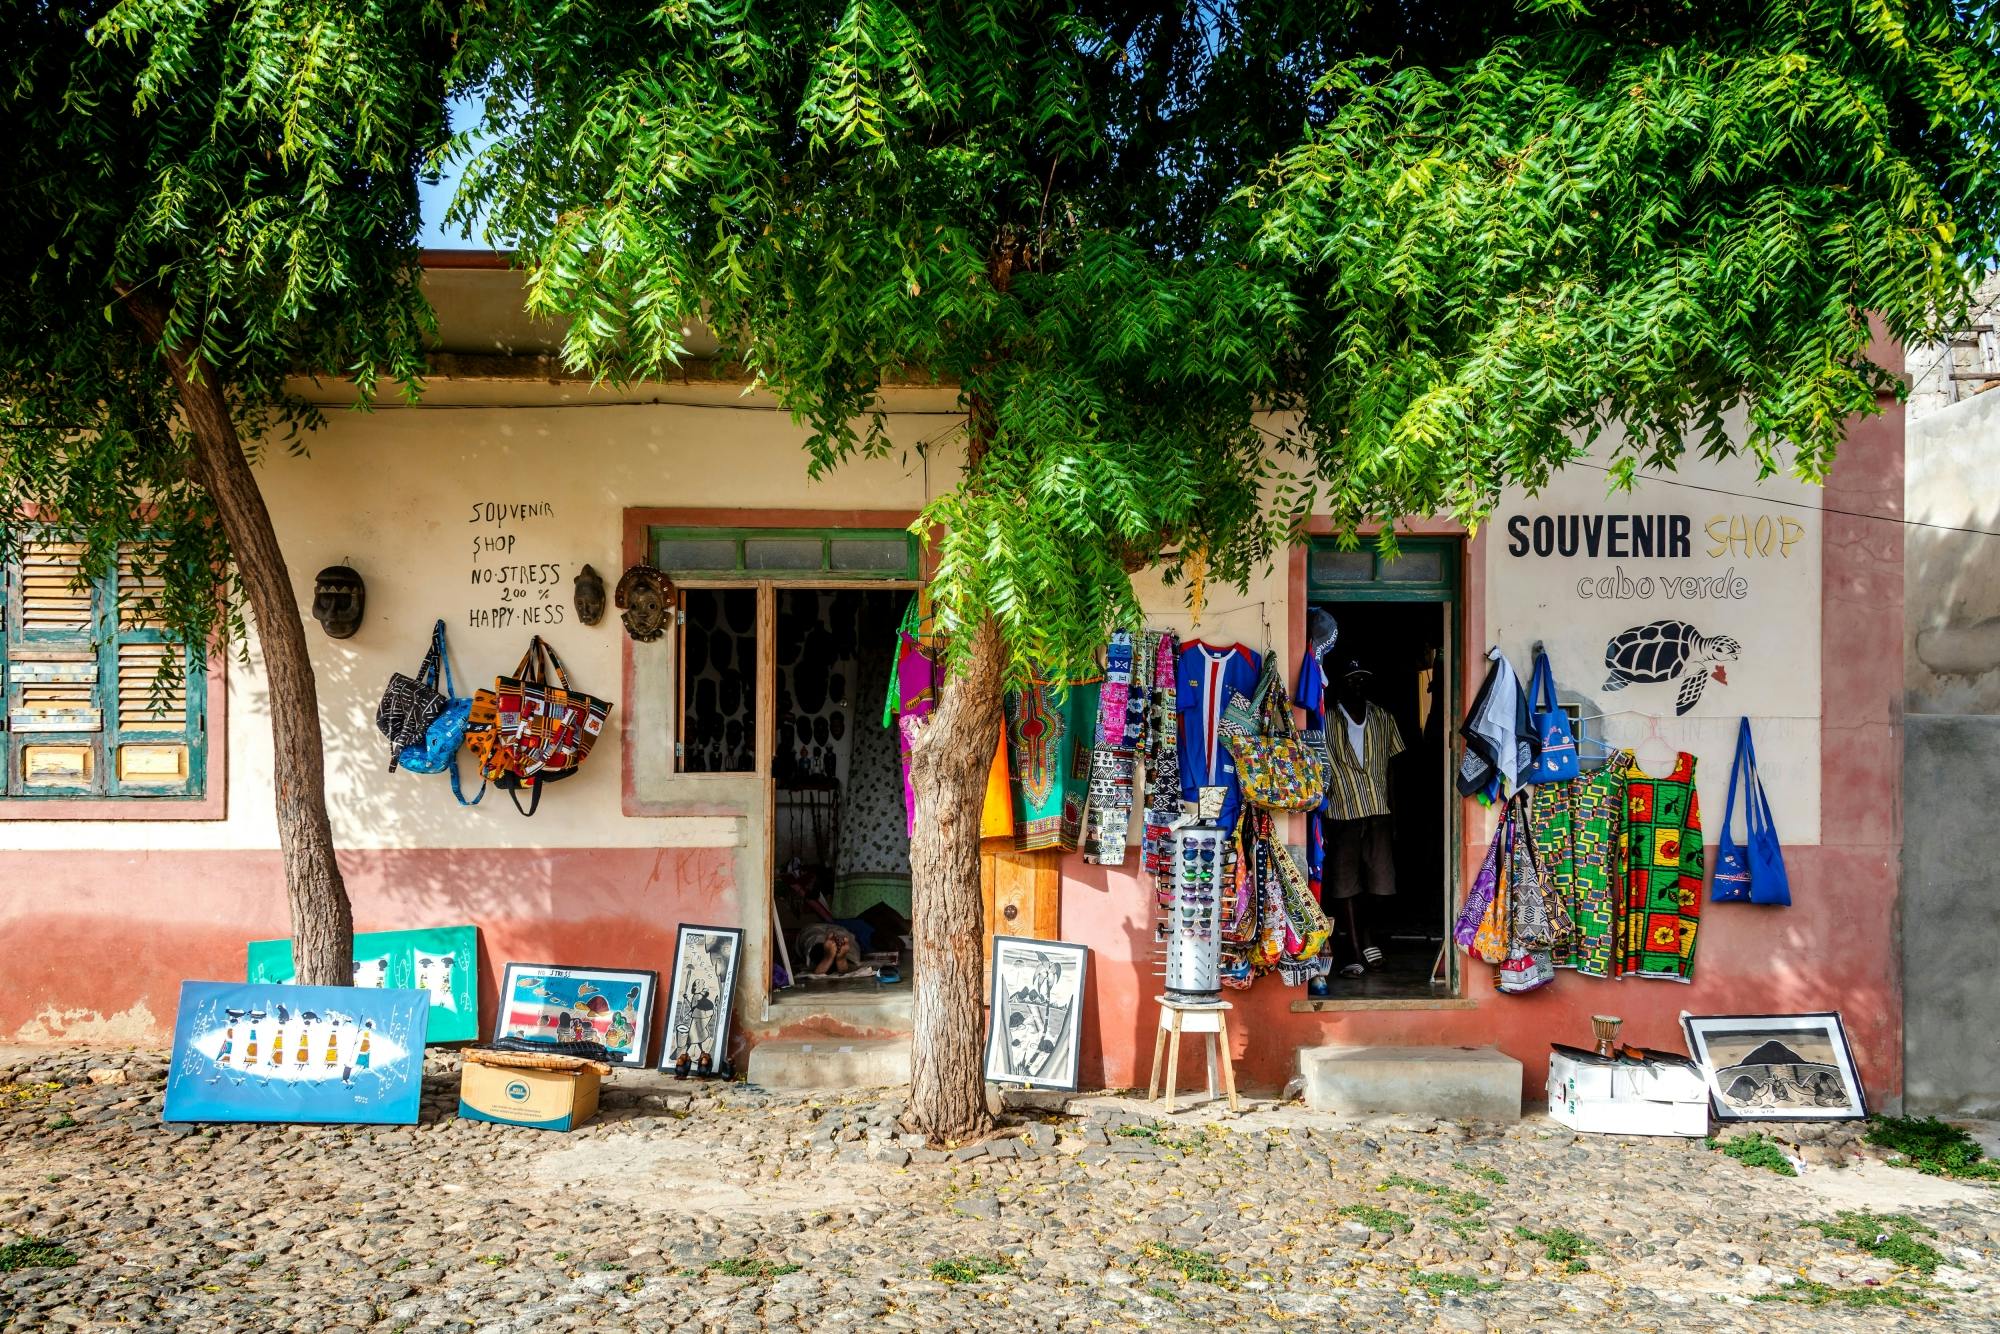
{"points": [[696, 1206]]}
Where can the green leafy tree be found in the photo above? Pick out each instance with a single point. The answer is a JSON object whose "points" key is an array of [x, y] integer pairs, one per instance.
{"points": [[1199, 270], [166, 264]]}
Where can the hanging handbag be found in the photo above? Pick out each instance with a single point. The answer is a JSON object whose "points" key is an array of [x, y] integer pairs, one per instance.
{"points": [[409, 704], [529, 730], [1557, 762], [1274, 767], [1753, 874], [437, 751]]}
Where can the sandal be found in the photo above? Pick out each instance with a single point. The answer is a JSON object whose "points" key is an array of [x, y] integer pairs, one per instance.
{"points": [[1352, 970], [1372, 957]]}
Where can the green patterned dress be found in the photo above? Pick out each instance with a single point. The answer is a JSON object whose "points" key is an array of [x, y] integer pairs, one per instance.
{"points": [[1663, 869], [1577, 827]]}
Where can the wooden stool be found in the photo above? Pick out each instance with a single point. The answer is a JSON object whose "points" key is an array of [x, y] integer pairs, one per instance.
{"points": [[1177, 1018]]}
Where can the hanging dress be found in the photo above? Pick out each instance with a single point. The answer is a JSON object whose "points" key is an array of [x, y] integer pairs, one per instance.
{"points": [[1044, 726], [1663, 872]]}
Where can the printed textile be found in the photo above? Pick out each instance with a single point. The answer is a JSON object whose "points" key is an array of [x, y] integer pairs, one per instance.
{"points": [[1204, 677], [1160, 653], [1121, 726], [1577, 829], [1663, 869], [916, 696], [1044, 726]]}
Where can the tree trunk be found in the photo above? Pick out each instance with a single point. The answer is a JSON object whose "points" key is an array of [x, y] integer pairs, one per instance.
{"points": [[949, 761], [322, 919]]}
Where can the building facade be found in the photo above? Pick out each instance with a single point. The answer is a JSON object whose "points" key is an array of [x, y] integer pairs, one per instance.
{"points": [[731, 772]]}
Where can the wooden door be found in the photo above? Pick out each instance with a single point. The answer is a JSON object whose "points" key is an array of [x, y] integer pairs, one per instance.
{"points": [[1023, 893]]}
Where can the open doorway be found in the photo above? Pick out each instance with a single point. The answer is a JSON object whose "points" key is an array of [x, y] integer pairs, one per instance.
{"points": [[1390, 887]]}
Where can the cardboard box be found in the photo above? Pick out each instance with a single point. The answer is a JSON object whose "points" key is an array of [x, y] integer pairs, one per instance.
{"points": [[1661, 1095], [518, 1096]]}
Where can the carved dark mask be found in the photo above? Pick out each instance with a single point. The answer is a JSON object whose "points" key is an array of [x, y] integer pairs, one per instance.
{"points": [[339, 597], [644, 595], [589, 596]]}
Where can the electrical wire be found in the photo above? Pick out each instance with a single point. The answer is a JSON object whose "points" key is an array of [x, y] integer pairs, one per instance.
{"points": [[1800, 504]]}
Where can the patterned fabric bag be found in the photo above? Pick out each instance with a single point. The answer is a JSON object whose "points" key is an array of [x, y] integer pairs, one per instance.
{"points": [[1276, 769], [529, 730], [437, 751], [409, 704]]}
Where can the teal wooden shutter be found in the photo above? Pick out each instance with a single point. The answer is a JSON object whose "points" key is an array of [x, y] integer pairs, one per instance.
{"points": [[154, 719]]}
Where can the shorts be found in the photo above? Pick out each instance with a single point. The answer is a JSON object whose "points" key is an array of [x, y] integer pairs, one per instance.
{"points": [[1360, 854]]}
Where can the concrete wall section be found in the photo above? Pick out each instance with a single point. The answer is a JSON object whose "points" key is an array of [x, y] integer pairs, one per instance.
{"points": [[1952, 580], [1950, 849]]}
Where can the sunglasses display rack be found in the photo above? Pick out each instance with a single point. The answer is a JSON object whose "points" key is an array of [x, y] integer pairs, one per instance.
{"points": [[1194, 916]]}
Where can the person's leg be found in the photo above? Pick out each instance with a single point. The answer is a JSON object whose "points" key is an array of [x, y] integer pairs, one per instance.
{"points": [[1342, 882], [1377, 879]]}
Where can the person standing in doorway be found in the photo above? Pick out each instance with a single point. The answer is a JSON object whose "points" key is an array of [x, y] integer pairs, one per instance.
{"points": [[1361, 739]]}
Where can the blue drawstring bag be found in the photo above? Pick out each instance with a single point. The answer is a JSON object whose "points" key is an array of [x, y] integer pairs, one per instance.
{"points": [[1756, 873], [438, 751], [1557, 761]]}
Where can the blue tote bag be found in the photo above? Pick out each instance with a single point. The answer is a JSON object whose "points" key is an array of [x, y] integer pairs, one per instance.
{"points": [[1752, 873], [1557, 761], [437, 752]]}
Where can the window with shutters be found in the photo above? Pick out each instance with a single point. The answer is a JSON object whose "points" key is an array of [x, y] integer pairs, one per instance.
{"points": [[90, 710]]}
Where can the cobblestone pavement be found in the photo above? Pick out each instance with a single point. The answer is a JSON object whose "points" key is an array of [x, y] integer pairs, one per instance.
{"points": [[696, 1206]]}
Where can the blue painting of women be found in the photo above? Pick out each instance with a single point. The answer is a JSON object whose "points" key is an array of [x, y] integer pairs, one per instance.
{"points": [[255, 1051]]}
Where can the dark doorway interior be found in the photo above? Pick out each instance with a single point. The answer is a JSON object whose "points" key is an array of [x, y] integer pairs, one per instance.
{"points": [[1403, 644]]}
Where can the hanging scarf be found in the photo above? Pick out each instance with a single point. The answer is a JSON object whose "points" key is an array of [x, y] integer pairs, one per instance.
{"points": [[1163, 755], [1121, 722]]}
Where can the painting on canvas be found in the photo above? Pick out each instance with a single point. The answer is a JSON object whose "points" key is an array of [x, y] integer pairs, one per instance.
{"points": [[252, 1051], [545, 1002], [442, 960], [1034, 1035], [1776, 1067], [700, 1000]]}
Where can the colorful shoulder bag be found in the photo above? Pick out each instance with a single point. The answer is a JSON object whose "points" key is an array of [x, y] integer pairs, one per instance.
{"points": [[1276, 769], [530, 730]]}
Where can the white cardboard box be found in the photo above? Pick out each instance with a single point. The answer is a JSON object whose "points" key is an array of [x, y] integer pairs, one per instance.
{"points": [[1597, 1095]]}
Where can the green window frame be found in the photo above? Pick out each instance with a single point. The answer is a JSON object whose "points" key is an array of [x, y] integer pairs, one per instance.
{"points": [[1422, 570], [87, 714], [694, 553]]}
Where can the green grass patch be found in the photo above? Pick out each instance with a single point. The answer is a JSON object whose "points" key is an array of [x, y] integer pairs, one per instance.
{"points": [[1194, 1266], [969, 1268], [1377, 1218], [1438, 1285], [1891, 1236], [1465, 1228], [1163, 1292], [1492, 1176], [1165, 1137], [35, 1253], [1561, 1246], [1753, 1150], [1932, 1147], [61, 1121], [1805, 1292], [737, 1267], [1461, 1202]]}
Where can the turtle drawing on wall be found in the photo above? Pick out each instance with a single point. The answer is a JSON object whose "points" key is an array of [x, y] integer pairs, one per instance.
{"points": [[1662, 651]]}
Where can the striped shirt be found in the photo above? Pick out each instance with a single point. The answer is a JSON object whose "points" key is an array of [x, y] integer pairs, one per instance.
{"points": [[1359, 784]]}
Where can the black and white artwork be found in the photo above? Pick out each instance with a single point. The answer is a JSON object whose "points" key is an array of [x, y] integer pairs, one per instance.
{"points": [[1776, 1067], [1034, 1036], [700, 999]]}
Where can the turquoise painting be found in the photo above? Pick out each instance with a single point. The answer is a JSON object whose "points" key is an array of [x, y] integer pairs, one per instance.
{"points": [[441, 961]]}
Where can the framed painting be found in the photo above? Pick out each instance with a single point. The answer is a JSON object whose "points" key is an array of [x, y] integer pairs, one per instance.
{"points": [[256, 1051], [1034, 1035], [1776, 1067], [545, 1002], [701, 998], [440, 960]]}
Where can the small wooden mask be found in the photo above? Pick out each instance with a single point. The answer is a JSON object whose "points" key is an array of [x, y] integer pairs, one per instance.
{"points": [[589, 596], [646, 598]]}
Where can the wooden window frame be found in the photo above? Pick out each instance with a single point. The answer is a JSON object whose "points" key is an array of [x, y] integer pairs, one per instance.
{"points": [[206, 738]]}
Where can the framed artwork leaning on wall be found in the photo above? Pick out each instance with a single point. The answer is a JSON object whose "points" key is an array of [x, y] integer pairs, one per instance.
{"points": [[701, 1000], [1776, 1067], [1034, 1036], [545, 1002]]}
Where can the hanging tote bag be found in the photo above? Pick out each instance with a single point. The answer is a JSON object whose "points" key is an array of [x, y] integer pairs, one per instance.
{"points": [[530, 730], [1756, 873], [409, 704], [437, 751], [1557, 762], [1275, 768]]}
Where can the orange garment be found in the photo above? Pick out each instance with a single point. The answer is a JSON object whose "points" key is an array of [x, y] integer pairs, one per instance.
{"points": [[996, 818]]}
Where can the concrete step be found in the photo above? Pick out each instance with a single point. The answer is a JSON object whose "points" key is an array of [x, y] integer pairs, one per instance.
{"points": [[1450, 1083], [830, 1063]]}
